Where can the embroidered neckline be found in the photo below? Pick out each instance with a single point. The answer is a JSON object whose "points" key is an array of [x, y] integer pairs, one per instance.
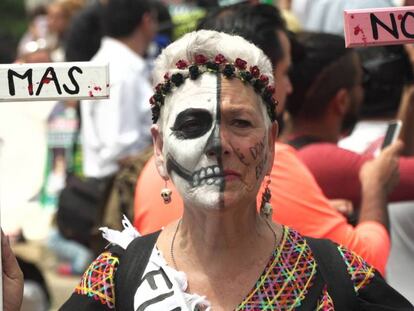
{"points": [[284, 283]]}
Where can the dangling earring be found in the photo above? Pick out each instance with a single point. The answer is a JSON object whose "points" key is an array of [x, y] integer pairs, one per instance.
{"points": [[266, 209], [166, 193]]}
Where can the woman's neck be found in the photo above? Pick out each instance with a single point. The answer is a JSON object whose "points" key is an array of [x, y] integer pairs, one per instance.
{"points": [[221, 229]]}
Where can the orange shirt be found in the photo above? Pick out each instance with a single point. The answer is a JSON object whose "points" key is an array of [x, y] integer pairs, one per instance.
{"points": [[297, 202]]}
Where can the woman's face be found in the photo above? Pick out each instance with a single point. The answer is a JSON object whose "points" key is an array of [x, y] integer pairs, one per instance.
{"points": [[217, 144]]}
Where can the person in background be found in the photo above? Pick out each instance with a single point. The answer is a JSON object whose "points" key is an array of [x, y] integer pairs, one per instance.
{"points": [[295, 189], [33, 46], [114, 131], [325, 105], [59, 15], [34, 39], [389, 95], [118, 127], [84, 34]]}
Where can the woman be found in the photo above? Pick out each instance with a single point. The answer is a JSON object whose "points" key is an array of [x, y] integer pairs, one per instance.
{"points": [[214, 134]]}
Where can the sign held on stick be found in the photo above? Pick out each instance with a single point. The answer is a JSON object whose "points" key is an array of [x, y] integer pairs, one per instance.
{"points": [[381, 26], [53, 81]]}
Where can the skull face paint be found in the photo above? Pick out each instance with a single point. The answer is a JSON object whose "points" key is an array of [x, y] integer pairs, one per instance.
{"points": [[215, 141]]}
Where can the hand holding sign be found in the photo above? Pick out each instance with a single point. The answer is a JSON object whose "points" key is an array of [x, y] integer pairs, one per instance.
{"points": [[53, 81], [13, 282], [381, 26]]}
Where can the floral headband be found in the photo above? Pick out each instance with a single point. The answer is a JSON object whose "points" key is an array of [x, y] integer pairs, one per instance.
{"points": [[238, 69]]}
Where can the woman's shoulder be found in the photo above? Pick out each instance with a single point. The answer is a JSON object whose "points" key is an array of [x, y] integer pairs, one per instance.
{"points": [[372, 291], [97, 286], [96, 289], [359, 271]]}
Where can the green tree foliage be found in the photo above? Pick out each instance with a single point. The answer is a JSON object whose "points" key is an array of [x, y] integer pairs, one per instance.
{"points": [[12, 18]]}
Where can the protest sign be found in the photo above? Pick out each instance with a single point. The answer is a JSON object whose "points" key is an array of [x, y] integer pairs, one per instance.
{"points": [[379, 26], [53, 81]]}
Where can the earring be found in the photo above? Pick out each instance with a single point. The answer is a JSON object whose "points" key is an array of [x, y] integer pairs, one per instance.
{"points": [[266, 209], [166, 194]]}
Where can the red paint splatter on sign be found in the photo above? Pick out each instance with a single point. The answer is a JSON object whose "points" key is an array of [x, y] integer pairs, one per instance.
{"points": [[46, 80], [400, 16], [358, 30], [90, 94], [30, 88], [97, 88]]}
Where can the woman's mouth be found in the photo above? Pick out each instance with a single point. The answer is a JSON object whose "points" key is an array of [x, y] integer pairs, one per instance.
{"points": [[230, 175], [213, 175]]}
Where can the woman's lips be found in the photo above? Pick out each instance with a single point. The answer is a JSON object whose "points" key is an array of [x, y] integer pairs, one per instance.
{"points": [[231, 175], [213, 175]]}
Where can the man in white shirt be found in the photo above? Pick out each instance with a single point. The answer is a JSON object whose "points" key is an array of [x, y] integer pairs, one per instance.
{"points": [[119, 127]]}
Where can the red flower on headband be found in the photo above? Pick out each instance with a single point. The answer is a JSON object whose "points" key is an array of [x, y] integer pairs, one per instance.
{"points": [[152, 101], [181, 64], [200, 59], [158, 87], [270, 89], [255, 71], [240, 63], [220, 59], [264, 79]]}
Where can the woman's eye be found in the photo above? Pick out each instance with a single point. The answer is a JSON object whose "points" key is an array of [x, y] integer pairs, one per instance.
{"points": [[189, 126], [241, 123], [192, 123]]}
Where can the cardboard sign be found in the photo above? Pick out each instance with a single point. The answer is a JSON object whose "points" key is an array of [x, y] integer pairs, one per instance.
{"points": [[53, 81], [382, 26]]}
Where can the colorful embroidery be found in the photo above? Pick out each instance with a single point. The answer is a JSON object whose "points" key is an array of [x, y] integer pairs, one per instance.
{"points": [[361, 273], [325, 303], [98, 280], [286, 279]]}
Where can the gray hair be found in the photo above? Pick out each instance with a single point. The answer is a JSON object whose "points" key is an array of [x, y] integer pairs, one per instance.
{"points": [[210, 43]]}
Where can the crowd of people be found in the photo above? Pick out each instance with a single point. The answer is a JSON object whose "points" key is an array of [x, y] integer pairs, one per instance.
{"points": [[238, 166]]}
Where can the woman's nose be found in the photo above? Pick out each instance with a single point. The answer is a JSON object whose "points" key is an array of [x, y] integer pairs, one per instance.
{"points": [[213, 146], [216, 143]]}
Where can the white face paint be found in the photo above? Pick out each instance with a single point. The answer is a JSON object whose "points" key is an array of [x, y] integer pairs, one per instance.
{"points": [[191, 137], [215, 142]]}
